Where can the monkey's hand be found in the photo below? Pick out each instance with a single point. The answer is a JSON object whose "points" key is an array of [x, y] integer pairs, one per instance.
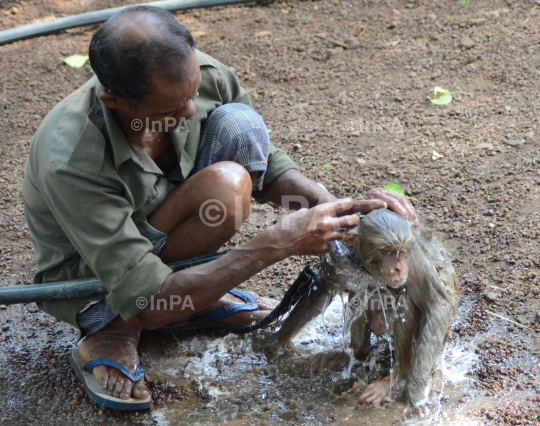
{"points": [[415, 401], [421, 410], [396, 203], [329, 360], [374, 394]]}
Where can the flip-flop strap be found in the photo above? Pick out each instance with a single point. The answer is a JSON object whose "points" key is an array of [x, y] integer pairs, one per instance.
{"points": [[250, 305], [137, 375]]}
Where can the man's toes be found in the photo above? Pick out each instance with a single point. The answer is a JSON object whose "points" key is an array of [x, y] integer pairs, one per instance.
{"points": [[258, 315], [264, 303], [101, 373], [119, 387], [113, 377], [126, 391], [140, 391]]}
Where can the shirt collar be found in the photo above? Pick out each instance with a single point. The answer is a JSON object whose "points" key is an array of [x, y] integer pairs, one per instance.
{"points": [[122, 150]]}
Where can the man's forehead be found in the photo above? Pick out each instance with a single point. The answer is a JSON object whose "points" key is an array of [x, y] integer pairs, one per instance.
{"points": [[172, 94], [168, 77]]}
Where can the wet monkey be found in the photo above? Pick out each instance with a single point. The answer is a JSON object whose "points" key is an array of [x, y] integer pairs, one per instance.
{"points": [[418, 275]]}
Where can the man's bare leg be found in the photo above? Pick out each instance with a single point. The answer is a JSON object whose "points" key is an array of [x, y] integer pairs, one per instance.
{"points": [[223, 190], [188, 237], [191, 235]]}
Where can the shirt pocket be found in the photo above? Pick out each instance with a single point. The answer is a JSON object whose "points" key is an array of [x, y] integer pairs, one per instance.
{"points": [[145, 191]]}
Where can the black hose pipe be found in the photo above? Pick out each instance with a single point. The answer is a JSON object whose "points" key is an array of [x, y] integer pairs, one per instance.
{"points": [[42, 28], [77, 288]]}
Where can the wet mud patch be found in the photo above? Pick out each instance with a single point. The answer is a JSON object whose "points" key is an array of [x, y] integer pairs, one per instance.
{"points": [[237, 384]]}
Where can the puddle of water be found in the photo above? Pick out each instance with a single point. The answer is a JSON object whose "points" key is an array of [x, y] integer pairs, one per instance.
{"points": [[246, 388]]}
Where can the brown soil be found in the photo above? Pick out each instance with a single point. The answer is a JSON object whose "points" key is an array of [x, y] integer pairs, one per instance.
{"points": [[351, 109]]}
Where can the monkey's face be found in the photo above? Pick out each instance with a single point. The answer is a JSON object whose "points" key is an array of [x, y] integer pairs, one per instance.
{"points": [[391, 268]]}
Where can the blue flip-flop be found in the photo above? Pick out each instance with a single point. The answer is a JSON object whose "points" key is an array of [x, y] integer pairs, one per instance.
{"points": [[212, 320], [94, 391]]}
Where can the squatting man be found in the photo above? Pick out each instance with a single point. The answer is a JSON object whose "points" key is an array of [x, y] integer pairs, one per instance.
{"points": [[118, 201]]}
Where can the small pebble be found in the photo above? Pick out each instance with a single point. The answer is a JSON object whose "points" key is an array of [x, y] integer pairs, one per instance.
{"points": [[516, 142], [467, 42], [491, 297]]}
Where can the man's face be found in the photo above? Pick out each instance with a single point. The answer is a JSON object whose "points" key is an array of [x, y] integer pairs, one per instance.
{"points": [[169, 102]]}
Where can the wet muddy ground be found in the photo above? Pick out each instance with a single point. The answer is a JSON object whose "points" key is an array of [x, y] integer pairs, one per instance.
{"points": [[343, 88]]}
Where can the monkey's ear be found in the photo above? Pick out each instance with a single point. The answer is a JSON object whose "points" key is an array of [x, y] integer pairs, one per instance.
{"points": [[351, 237]]}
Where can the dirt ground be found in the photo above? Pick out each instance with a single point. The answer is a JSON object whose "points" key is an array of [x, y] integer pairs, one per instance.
{"points": [[343, 88]]}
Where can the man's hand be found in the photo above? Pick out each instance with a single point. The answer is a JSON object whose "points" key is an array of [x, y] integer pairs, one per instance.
{"points": [[394, 202], [308, 232]]}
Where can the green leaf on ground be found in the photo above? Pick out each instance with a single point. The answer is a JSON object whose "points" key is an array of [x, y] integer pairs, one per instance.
{"points": [[442, 96], [76, 61], [293, 130], [327, 166], [394, 188]]}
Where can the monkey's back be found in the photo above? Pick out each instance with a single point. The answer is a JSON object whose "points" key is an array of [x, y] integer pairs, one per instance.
{"points": [[437, 254]]}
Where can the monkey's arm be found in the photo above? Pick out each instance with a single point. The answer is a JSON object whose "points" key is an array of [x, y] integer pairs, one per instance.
{"points": [[430, 295]]}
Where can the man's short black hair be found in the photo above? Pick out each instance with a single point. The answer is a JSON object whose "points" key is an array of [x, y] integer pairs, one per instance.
{"points": [[126, 65]]}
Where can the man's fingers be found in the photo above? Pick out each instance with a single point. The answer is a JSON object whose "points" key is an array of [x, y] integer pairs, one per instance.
{"points": [[366, 206], [337, 208], [395, 203], [345, 222], [337, 224]]}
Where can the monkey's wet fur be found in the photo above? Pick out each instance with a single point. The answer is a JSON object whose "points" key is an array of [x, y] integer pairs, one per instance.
{"points": [[416, 270]]}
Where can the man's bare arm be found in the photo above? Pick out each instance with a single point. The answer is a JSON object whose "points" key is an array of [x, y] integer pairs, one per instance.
{"points": [[294, 183], [303, 232]]}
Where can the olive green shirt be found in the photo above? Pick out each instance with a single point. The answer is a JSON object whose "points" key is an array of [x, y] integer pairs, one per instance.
{"points": [[86, 188]]}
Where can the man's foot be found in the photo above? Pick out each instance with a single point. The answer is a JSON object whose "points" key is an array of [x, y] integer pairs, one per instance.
{"points": [[117, 342], [238, 318]]}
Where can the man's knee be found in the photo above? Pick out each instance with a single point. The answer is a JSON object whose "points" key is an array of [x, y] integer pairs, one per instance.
{"points": [[234, 132], [232, 185], [225, 113]]}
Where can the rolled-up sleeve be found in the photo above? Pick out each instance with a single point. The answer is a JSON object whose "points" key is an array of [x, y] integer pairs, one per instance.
{"points": [[96, 215]]}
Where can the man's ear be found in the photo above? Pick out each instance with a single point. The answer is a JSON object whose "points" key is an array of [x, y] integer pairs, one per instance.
{"points": [[351, 237], [112, 101]]}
